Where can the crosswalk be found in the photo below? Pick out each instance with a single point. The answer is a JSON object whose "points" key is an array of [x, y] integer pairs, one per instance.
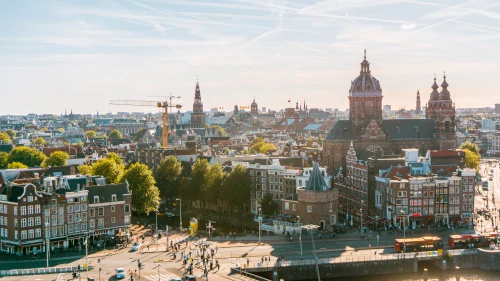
{"points": [[169, 276]]}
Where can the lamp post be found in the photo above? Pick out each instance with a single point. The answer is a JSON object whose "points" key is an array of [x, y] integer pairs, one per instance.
{"points": [[180, 213], [209, 226], [312, 227], [158, 272], [260, 221], [361, 218], [87, 253], [47, 238], [300, 237], [404, 234], [156, 231]]}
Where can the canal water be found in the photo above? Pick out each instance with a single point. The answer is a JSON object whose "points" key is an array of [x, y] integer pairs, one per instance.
{"points": [[435, 275]]}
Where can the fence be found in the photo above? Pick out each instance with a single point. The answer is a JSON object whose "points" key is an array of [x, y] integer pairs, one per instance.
{"points": [[32, 271], [235, 270]]}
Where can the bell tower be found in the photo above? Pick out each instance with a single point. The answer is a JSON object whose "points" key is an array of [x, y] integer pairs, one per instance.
{"points": [[198, 116], [442, 109]]}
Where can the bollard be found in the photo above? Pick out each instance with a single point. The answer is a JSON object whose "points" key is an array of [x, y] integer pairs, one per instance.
{"points": [[457, 273], [426, 274]]}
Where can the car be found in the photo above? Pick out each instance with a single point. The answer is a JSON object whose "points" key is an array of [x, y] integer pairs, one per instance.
{"points": [[120, 273], [189, 278], [136, 246]]}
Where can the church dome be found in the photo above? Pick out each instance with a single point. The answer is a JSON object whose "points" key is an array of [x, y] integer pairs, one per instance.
{"points": [[435, 93], [445, 94], [365, 82]]}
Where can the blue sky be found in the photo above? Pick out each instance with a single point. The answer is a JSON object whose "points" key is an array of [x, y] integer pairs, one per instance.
{"points": [[57, 55]]}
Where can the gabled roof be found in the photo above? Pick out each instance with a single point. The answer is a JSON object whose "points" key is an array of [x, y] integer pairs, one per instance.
{"points": [[261, 161], [105, 191], [316, 181], [312, 127]]}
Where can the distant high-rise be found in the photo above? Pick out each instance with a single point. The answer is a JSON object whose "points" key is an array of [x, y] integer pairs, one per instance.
{"points": [[417, 109], [497, 108]]}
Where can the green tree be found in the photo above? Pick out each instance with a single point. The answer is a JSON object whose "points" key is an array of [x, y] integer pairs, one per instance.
{"points": [[199, 180], [4, 159], [145, 195], [115, 157], [30, 157], [90, 134], [4, 137], [85, 170], [115, 134], [109, 169], [472, 156], [16, 165], [138, 135], [215, 179], [56, 159], [237, 187], [11, 133], [260, 146], [220, 130], [39, 141], [269, 206], [168, 177]]}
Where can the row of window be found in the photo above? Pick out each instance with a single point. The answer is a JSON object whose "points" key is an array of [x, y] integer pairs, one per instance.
{"points": [[25, 234], [30, 210]]}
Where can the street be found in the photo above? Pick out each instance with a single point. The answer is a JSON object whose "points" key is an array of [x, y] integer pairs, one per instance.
{"points": [[485, 200]]}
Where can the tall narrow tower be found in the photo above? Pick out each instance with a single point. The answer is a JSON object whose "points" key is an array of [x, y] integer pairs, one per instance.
{"points": [[418, 110], [442, 110], [198, 116]]}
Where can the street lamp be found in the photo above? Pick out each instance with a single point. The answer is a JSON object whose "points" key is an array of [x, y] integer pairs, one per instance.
{"points": [[300, 237], [312, 227], [404, 233], [260, 221], [209, 226], [180, 213], [156, 231], [47, 238], [361, 217]]}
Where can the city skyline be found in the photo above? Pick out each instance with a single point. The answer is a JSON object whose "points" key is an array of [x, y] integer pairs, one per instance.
{"points": [[59, 55]]}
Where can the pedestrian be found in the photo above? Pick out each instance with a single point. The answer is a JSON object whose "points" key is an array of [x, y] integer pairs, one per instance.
{"points": [[248, 262], [262, 260], [186, 242], [148, 247], [217, 264]]}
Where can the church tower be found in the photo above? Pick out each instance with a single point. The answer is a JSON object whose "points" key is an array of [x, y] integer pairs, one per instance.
{"points": [[418, 109], [198, 116], [442, 110], [365, 98], [254, 109]]}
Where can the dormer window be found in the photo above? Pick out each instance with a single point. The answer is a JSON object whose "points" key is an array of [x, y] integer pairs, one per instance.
{"points": [[96, 199], [113, 197]]}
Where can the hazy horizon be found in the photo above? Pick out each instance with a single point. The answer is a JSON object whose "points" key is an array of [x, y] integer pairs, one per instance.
{"points": [[60, 55]]}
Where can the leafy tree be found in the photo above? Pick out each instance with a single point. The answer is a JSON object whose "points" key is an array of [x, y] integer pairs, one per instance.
{"points": [[4, 159], [260, 146], [11, 133], [4, 137], [39, 141], [85, 169], [139, 134], [168, 177], [215, 178], [115, 157], [30, 157], [269, 206], [56, 159], [145, 195], [90, 134], [16, 165], [60, 130], [115, 134], [109, 169], [472, 156], [220, 130], [237, 187], [199, 180]]}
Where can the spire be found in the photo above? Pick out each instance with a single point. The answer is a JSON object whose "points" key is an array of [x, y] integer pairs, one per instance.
{"points": [[417, 109], [435, 93], [297, 105], [316, 181], [445, 94], [365, 53], [365, 65], [444, 85]]}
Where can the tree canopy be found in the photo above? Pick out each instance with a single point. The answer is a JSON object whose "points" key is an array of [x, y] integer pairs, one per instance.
{"points": [[115, 157], [90, 134], [260, 146], [115, 134], [269, 206], [30, 157], [85, 170], [16, 165], [220, 130], [138, 134], [4, 137], [11, 133], [39, 141], [108, 168], [168, 177], [145, 195], [4, 159], [56, 159], [472, 156], [237, 187]]}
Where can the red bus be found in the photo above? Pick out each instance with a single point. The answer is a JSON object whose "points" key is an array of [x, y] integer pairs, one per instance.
{"points": [[488, 239], [464, 241], [426, 243]]}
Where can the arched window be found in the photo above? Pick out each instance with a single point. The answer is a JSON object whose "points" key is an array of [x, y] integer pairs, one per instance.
{"points": [[358, 87], [368, 87]]}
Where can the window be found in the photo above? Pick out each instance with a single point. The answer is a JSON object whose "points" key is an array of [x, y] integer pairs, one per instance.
{"points": [[70, 200], [70, 209], [84, 227], [113, 197], [60, 211], [101, 211], [30, 221], [309, 209], [30, 198], [92, 224], [84, 216], [84, 198], [112, 219], [16, 223], [287, 205], [92, 212], [127, 219], [77, 228], [77, 217], [294, 207], [23, 210], [16, 235], [38, 233], [24, 235], [60, 220], [96, 199], [23, 222], [113, 209], [431, 193], [31, 234], [15, 210], [84, 207], [100, 223], [70, 218], [37, 209], [38, 221], [5, 209], [77, 208], [127, 208], [70, 228]]}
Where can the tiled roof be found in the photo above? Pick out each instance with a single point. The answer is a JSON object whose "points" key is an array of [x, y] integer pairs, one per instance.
{"points": [[105, 191], [341, 131], [407, 128], [316, 181]]}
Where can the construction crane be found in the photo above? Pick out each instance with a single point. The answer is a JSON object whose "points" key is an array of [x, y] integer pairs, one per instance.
{"points": [[160, 104]]}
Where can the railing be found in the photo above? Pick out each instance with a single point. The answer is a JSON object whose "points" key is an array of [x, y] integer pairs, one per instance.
{"points": [[33, 271], [235, 270]]}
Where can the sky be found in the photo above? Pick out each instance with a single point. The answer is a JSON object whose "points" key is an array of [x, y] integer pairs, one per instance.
{"points": [[78, 55]]}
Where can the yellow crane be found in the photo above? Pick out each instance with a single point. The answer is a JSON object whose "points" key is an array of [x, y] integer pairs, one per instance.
{"points": [[160, 104]]}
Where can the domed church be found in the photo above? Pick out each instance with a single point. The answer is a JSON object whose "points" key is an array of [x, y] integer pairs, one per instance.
{"points": [[373, 135]]}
